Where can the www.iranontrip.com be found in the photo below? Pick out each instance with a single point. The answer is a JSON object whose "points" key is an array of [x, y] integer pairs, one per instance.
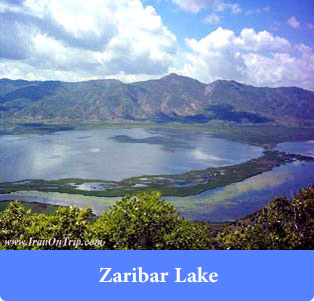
{"points": [[53, 242]]}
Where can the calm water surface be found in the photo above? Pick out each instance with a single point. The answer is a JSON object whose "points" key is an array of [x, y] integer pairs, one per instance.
{"points": [[95, 155], [240, 199]]}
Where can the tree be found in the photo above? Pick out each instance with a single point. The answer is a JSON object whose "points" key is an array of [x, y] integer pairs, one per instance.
{"points": [[142, 222], [146, 222], [280, 225], [20, 227], [13, 222]]}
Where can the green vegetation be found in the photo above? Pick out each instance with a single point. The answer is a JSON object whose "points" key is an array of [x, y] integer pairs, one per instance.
{"points": [[280, 225], [33, 206], [190, 183], [146, 222], [172, 98]]}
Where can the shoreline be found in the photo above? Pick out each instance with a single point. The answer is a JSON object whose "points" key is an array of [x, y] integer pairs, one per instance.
{"points": [[182, 185], [267, 135]]}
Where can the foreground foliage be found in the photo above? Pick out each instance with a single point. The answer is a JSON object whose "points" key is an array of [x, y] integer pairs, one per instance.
{"points": [[280, 225], [142, 222], [146, 222]]}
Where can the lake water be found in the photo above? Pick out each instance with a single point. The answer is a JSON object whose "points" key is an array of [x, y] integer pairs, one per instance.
{"points": [[240, 199], [221, 204], [96, 154]]}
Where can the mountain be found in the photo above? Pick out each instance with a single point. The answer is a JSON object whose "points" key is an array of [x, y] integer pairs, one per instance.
{"points": [[171, 98]]}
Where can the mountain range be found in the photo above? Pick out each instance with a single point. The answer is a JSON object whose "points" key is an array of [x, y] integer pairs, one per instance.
{"points": [[171, 98]]}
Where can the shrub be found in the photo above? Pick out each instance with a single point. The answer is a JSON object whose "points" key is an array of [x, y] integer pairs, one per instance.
{"points": [[146, 222], [280, 225]]}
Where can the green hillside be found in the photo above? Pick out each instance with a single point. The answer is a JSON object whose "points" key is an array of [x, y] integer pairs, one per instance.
{"points": [[171, 98]]}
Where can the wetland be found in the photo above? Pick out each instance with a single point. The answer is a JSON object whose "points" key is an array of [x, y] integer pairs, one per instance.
{"points": [[202, 173]]}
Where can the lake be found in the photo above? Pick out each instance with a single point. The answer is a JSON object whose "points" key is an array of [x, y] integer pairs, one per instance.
{"points": [[116, 154], [240, 199]]}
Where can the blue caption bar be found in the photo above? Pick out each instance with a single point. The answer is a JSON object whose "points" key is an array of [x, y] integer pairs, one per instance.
{"points": [[77, 275]]}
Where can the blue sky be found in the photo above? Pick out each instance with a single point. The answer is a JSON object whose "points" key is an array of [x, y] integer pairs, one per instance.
{"points": [[260, 15], [263, 43]]}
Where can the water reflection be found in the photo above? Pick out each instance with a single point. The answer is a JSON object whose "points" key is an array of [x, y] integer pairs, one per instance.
{"points": [[304, 148], [94, 155], [240, 199]]}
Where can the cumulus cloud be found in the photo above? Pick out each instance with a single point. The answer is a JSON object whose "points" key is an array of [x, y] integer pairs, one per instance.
{"points": [[261, 41], [283, 69], [194, 6], [257, 58], [293, 22], [76, 40], [82, 39], [14, 39]]}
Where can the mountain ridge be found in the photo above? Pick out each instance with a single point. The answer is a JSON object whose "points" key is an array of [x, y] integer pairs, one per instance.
{"points": [[170, 98], [163, 77]]}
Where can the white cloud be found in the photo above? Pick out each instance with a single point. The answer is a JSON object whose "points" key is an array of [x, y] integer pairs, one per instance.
{"points": [[234, 7], [293, 22], [257, 58], [79, 39], [212, 19], [214, 57], [263, 40], [76, 40], [194, 6]]}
